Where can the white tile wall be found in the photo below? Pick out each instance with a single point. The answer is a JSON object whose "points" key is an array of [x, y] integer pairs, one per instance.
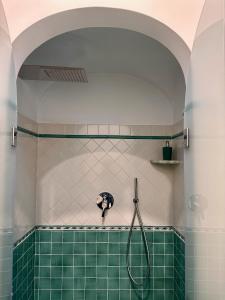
{"points": [[71, 174], [25, 202]]}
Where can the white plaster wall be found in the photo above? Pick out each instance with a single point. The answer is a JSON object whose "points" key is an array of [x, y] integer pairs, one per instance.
{"points": [[27, 99], [180, 16], [7, 156], [105, 99], [205, 160]]}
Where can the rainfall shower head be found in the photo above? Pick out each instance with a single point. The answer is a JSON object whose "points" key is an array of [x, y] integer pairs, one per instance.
{"points": [[52, 73]]}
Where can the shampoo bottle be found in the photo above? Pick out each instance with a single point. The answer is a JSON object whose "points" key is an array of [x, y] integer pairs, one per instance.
{"points": [[167, 151]]}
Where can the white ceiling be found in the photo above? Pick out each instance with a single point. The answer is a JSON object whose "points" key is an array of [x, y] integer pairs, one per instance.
{"points": [[111, 50]]}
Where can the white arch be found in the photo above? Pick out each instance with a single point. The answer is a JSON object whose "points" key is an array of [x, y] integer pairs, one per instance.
{"points": [[73, 19]]}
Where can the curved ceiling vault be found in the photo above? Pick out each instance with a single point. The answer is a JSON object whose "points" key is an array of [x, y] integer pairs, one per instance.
{"points": [[34, 25]]}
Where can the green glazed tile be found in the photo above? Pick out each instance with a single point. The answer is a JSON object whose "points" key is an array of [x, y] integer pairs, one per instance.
{"points": [[67, 271], [67, 248], [102, 236], [124, 283], [123, 248], [102, 271], [57, 236], [79, 260], [101, 283], [169, 260], [79, 236], [79, 271], [113, 260], [169, 248], [67, 294], [113, 272], [44, 271], [56, 271], [136, 237], [90, 283], [44, 294], [159, 284], [56, 283], [159, 295], [102, 248], [159, 272], [45, 236], [114, 237], [67, 283], [159, 260], [159, 248], [44, 260], [169, 295], [158, 237], [45, 248], [124, 295], [57, 260], [57, 248], [91, 271], [68, 236], [169, 237], [123, 272], [44, 283], [169, 272], [67, 260], [102, 260], [79, 283], [101, 295], [91, 248], [56, 294], [123, 236], [91, 237], [137, 248], [91, 260], [169, 283], [113, 295], [136, 260], [79, 295], [79, 248], [114, 248], [113, 283]]}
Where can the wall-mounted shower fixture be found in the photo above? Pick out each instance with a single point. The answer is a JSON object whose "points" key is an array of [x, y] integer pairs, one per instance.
{"points": [[186, 138], [13, 136], [144, 240], [105, 201]]}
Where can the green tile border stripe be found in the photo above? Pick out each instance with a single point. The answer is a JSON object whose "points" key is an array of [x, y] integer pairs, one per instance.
{"points": [[93, 227], [113, 227], [179, 134], [27, 131], [96, 227], [94, 136]]}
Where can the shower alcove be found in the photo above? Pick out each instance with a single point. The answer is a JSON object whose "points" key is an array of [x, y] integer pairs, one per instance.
{"points": [[78, 139]]}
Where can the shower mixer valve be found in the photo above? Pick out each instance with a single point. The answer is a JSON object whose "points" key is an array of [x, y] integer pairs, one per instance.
{"points": [[105, 201]]}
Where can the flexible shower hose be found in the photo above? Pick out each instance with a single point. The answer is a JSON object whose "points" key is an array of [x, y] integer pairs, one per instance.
{"points": [[137, 213]]}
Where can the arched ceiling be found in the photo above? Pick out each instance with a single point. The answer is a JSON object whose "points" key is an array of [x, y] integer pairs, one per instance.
{"points": [[111, 50]]}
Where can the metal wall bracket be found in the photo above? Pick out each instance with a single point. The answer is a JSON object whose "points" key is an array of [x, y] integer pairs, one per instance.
{"points": [[186, 138], [13, 136]]}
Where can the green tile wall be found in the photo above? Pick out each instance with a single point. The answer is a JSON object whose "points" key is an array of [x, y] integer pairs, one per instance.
{"points": [[23, 269], [179, 268], [91, 265]]}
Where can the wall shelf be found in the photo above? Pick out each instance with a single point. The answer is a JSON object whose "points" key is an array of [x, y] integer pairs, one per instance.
{"points": [[165, 162]]}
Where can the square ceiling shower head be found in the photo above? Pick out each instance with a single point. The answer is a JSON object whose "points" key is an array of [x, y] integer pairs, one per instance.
{"points": [[53, 73]]}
